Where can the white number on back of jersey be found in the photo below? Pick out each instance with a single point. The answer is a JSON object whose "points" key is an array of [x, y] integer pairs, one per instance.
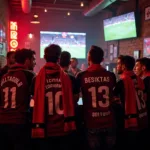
{"points": [[93, 91], [13, 97], [140, 100], [51, 102]]}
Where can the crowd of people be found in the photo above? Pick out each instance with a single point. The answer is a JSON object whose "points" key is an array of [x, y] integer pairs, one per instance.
{"points": [[115, 114]]}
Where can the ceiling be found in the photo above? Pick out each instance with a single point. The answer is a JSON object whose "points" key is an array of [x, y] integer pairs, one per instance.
{"points": [[72, 5], [64, 5]]}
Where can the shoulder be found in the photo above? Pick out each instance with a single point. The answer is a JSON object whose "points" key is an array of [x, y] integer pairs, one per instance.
{"points": [[71, 76], [146, 79], [120, 84], [119, 88], [146, 82], [110, 73], [4, 69], [30, 76], [29, 73], [79, 70], [81, 73]]}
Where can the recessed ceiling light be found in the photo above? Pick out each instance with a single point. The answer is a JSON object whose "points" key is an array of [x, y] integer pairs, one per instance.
{"points": [[82, 4], [35, 16], [68, 13], [30, 35]]}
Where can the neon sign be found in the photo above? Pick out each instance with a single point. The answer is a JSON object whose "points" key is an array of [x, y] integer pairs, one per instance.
{"points": [[13, 35]]}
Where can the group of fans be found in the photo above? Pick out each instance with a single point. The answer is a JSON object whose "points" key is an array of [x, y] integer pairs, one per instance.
{"points": [[115, 114]]}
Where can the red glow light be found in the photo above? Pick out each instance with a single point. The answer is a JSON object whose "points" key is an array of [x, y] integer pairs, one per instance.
{"points": [[13, 35], [13, 44]]}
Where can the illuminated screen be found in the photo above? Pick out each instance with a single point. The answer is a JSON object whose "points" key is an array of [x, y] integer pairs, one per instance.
{"points": [[120, 27], [75, 43]]}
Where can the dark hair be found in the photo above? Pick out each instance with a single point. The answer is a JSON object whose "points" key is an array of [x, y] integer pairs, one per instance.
{"points": [[52, 53], [128, 61], [10, 53], [75, 59], [96, 54], [65, 59], [23, 54], [145, 62]]}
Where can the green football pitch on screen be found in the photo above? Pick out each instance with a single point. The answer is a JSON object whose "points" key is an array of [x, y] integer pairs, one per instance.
{"points": [[121, 30], [75, 51]]}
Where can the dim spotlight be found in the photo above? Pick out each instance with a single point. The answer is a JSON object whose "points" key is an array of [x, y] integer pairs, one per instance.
{"points": [[68, 13], [36, 16], [82, 4], [45, 10], [30, 35], [72, 37]]}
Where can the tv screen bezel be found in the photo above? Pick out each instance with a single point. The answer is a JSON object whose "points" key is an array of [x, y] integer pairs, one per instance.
{"points": [[135, 14]]}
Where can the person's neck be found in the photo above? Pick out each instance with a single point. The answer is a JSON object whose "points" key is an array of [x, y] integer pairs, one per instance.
{"points": [[65, 68], [74, 68], [145, 73], [92, 64], [26, 67], [8, 64]]}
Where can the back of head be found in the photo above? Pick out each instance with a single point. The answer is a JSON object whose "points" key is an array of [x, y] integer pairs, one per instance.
{"points": [[96, 54], [52, 53], [127, 61], [10, 53], [22, 55], [65, 59], [10, 58], [145, 62], [74, 59]]}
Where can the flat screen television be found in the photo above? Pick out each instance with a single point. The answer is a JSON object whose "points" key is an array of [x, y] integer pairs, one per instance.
{"points": [[120, 27], [73, 42]]}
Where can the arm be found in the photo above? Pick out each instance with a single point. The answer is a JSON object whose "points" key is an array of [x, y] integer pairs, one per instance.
{"points": [[147, 87], [32, 86], [32, 92], [118, 92], [75, 89], [78, 84]]}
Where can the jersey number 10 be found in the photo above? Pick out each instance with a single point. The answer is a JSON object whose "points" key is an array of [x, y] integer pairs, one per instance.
{"points": [[54, 102]]}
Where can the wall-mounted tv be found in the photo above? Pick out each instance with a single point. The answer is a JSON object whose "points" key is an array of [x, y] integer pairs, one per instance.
{"points": [[75, 43], [120, 27]]}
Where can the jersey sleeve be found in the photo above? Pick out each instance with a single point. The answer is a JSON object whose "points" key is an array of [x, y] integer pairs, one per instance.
{"points": [[147, 87], [118, 91], [78, 81], [76, 89], [113, 80], [30, 77], [32, 86]]}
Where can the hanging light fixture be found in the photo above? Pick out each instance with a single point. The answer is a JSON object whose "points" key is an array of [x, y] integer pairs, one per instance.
{"points": [[35, 16], [45, 10], [82, 4], [30, 35], [68, 13], [35, 20]]}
